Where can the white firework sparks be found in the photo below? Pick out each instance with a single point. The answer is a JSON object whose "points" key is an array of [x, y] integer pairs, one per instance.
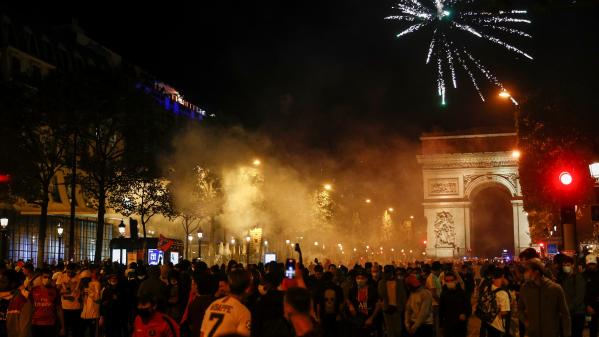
{"points": [[449, 17]]}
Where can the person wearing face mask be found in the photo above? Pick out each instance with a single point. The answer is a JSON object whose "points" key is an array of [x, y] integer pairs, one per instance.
{"points": [[47, 311], [419, 309], [89, 288], [363, 305], [542, 304], [113, 308], [329, 304], [71, 306], [591, 275], [150, 322], [574, 286], [454, 307]]}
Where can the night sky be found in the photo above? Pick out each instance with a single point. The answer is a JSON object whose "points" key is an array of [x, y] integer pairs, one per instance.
{"points": [[322, 71]]}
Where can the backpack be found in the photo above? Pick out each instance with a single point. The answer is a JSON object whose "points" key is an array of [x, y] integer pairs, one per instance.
{"points": [[487, 308]]}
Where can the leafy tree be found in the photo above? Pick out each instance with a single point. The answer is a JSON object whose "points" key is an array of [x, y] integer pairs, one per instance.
{"points": [[140, 194], [552, 140], [37, 142], [195, 198]]}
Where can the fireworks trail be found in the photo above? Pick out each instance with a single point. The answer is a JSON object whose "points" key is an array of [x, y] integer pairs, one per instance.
{"points": [[452, 17]]}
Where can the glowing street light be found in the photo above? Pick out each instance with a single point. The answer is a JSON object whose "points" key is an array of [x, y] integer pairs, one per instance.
{"points": [[266, 243], [412, 217], [328, 187], [368, 201], [316, 243], [122, 228], [233, 241], [247, 238], [257, 162], [504, 94], [4, 223], [391, 209], [287, 242], [516, 154], [190, 237]]}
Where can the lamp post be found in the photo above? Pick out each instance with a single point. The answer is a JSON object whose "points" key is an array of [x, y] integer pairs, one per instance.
{"points": [[59, 231], [200, 237], [247, 249], [122, 229], [3, 227], [189, 239]]}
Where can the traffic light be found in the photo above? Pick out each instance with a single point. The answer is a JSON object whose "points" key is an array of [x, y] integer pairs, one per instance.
{"points": [[565, 178]]}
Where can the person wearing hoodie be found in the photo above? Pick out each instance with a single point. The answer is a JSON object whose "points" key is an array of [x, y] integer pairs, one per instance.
{"points": [[114, 308], [543, 306], [419, 319], [574, 286], [454, 307], [89, 288]]}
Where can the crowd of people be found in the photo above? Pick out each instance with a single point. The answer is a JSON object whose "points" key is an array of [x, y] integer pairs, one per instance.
{"points": [[530, 297]]}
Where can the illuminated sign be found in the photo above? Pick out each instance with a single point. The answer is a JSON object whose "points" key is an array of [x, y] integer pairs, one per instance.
{"points": [[155, 257]]}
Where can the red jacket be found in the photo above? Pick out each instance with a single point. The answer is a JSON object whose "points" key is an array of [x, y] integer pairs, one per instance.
{"points": [[159, 325]]}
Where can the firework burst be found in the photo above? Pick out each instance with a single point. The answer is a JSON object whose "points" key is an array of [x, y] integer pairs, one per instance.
{"points": [[449, 19]]}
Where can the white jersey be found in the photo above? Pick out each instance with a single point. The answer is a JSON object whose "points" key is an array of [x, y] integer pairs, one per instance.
{"points": [[226, 316]]}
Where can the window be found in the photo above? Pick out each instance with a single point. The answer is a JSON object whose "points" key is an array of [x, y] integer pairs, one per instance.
{"points": [[24, 239]]}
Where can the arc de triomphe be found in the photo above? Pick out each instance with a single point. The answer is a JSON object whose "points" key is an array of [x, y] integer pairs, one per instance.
{"points": [[457, 171]]}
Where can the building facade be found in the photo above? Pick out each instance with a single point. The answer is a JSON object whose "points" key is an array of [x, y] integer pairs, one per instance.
{"points": [[26, 56], [472, 195]]}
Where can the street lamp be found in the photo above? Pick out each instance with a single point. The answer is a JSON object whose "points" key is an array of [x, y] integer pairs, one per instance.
{"points": [[3, 248], [391, 209], [516, 154], [328, 187], [59, 230], [368, 201], [200, 237], [122, 228], [257, 162], [247, 249]]}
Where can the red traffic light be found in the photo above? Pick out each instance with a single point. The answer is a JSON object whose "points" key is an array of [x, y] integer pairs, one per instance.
{"points": [[565, 178]]}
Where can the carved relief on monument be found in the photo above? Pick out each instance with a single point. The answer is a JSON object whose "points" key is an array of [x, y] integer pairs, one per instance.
{"points": [[443, 186], [444, 229]]}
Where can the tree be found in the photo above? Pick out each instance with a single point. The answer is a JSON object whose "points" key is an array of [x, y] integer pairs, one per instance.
{"points": [[112, 141], [194, 198], [140, 194], [551, 141], [38, 145]]}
